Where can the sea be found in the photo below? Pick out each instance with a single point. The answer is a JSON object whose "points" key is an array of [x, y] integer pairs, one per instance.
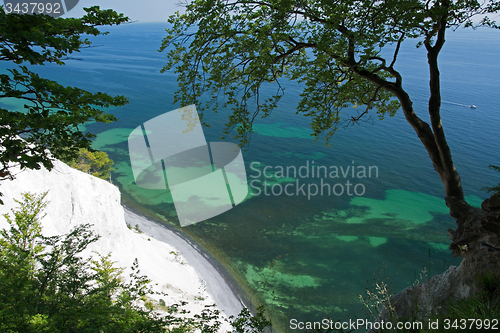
{"points": [[311, 251]]}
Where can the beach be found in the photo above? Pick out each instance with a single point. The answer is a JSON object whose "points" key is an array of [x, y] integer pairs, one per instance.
{"points": [[228, 296]]}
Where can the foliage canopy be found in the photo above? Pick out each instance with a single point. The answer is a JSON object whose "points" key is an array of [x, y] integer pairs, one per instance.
{"points": [[96, 163], [46, 286], [52, 113], [238, 51]]}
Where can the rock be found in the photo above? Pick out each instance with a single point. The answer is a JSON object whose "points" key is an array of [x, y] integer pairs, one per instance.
{"points": [[428, 298], [477, 241]]}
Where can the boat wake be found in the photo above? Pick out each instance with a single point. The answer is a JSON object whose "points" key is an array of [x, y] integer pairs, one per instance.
{"points": [[472, 106]]}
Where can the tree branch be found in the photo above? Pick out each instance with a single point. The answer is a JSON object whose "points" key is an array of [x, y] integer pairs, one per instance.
{"points": [[297, 46]]}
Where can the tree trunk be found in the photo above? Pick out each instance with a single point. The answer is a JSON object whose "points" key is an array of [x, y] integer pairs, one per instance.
{"points": [[477, 236]]}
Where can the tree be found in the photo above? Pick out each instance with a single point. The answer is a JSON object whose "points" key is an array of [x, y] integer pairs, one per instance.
{"points": [[239, 48], [48, 127], [96, 163], [47, 286]]}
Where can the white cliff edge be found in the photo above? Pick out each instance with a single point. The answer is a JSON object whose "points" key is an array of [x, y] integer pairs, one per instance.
{"points": [[75, 198]]}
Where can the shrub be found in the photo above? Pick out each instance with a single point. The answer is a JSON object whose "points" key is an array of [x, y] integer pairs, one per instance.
{"points": [[96, 163], [46, 286]]}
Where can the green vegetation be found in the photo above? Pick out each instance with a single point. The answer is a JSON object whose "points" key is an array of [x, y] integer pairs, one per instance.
{"points": [[345, 53], [96, 163], [246, 323], [484, 307], [46, 286], [495, 189], [51, 114]]}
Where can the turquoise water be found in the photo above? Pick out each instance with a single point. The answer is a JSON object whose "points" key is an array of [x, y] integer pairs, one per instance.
{"points": [[311, 256]]}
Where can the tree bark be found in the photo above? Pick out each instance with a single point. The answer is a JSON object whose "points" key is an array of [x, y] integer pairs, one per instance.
{"points": [[477, 236], [433, 138], [448, 172]]}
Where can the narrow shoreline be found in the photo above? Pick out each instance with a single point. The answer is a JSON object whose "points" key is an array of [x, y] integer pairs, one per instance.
{"points": [[228, 294]]}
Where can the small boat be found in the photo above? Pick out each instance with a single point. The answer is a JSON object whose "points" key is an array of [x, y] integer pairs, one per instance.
{"points": [[472, 106]]}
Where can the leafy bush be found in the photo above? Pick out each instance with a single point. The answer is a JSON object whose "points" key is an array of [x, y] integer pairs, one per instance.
{"points": [[96, 163], [46, 286]]}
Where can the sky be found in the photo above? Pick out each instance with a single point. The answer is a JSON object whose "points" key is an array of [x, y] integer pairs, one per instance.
{"points": [[136, 10]]}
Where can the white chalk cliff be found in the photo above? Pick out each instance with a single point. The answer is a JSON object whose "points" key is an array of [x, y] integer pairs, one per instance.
{"points": [[76, 198]]}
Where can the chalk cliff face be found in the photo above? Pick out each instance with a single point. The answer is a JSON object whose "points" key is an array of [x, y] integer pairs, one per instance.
{"points": [[76, 198]]}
